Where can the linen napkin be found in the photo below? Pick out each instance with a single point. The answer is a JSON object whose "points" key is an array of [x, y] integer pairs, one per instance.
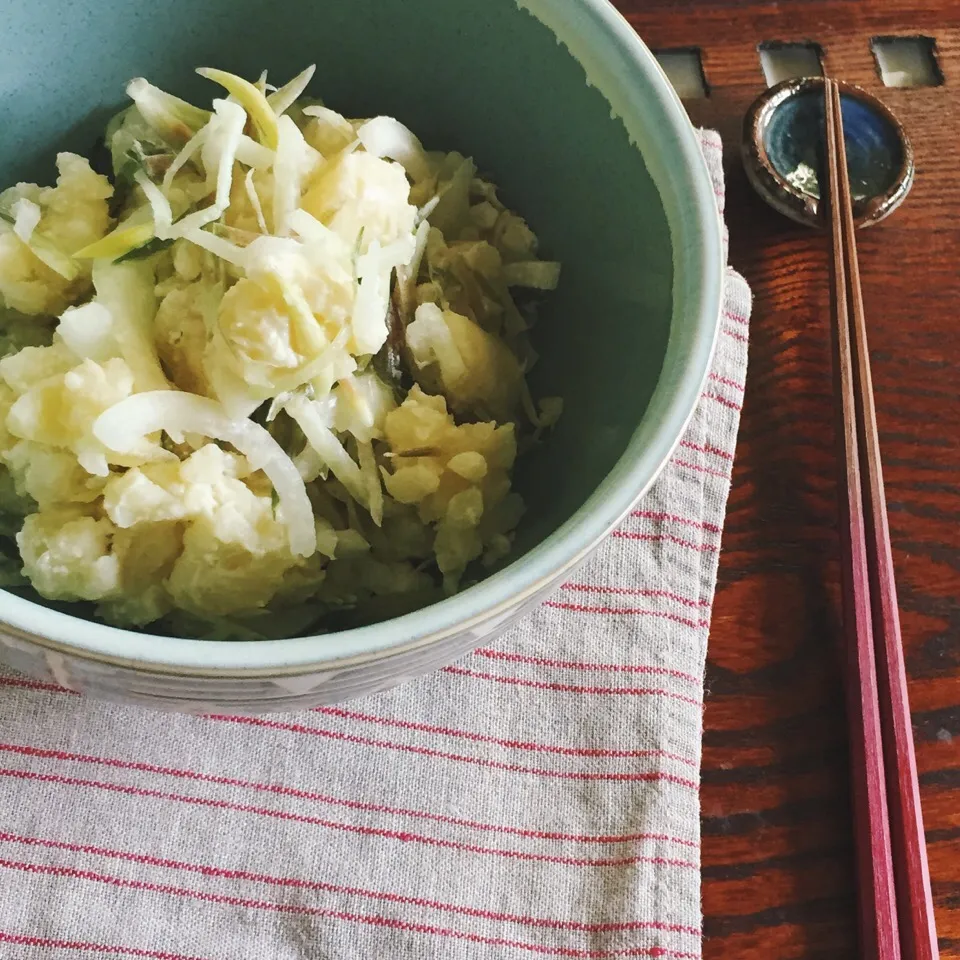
{"points": [[538, 798]]}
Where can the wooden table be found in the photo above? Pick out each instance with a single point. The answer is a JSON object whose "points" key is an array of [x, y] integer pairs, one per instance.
{"points": [[777, 838]]}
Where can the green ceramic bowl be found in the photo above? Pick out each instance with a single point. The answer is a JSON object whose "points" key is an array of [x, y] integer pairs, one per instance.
{"points": [[563, 105]]}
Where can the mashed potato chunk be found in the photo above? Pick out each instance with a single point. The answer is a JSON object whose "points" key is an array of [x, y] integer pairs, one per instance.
{"points": [[39, 275]]}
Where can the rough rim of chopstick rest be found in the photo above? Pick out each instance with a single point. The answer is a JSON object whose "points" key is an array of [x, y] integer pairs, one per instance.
{"points": [[918, 936], [877, 900]]}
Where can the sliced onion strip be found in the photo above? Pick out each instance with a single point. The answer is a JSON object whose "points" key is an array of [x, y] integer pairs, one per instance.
{"points": [[26, 216], [386, 137], [284, 98], [254, 199], [324, 441], [124, 424]]}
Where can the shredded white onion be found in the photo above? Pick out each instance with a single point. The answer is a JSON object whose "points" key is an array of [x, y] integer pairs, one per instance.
{"points": [[225, 131], [127, 291], [159, 204], [234, 120], [370, 306], [54, 258], [386, 137], [310, 419], [26, 216], [218, 246], [374, 269], [407, 273], [253, 154], [254, 199], [430, 341], [424, 212], [288, 171], [171, 116], [309, 464], [335, 121], [126, 423], [325, 113], [184, 157], [284, 98]]}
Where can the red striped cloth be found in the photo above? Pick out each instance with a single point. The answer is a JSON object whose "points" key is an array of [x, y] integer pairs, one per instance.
{"points": [[538, 798]]}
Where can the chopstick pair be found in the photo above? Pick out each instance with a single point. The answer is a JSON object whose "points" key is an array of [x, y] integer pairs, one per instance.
{"points": [[896, 906]]}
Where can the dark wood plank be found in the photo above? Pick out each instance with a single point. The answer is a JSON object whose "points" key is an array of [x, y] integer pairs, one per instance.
{"points": [[778, 850]]}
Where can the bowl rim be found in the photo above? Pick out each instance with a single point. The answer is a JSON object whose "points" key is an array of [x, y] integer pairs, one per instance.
{"points": [[624, 70]]}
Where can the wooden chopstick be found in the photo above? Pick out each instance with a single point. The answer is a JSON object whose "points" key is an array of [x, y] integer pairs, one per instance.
{"points": [[879, 932], [918, 938]]}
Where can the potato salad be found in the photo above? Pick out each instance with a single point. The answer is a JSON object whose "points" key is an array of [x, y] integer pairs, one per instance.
{"points": [[263, 368]]}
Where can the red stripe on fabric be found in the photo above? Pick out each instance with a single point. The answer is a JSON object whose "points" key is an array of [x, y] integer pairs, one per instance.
{"points": [[676, 518], [579, 665], [463, 758], [475, 737], [572, 688], [701, 469], [667, 537], [23, 940], [439, 754], [634, 592], [300, 884], [736, 317], [26, 684], [375, 920], [706, 448], [727, 382], [630, 611], [732, 404], [404, 836], [357, 804], [726, 331]]}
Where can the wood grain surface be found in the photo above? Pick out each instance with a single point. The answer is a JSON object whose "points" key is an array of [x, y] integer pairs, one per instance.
{"points": [[777, 849]]}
